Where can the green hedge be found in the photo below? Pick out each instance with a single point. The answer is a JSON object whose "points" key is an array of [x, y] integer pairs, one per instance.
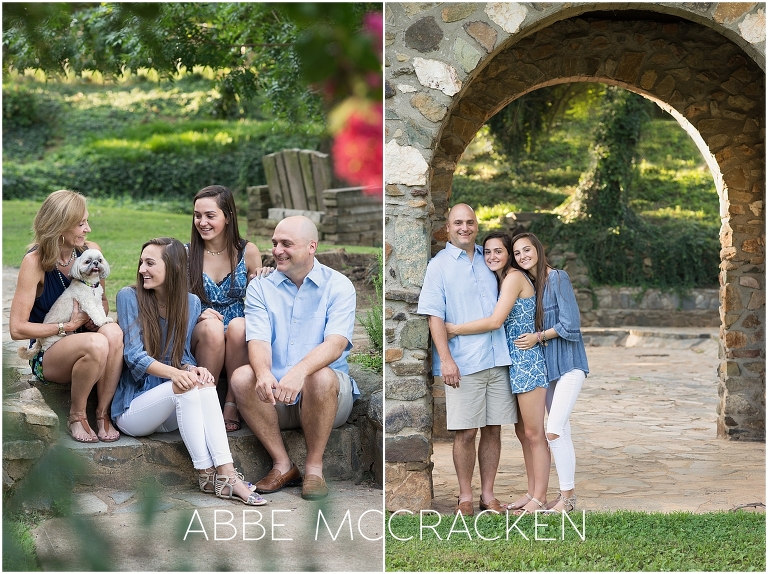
{"points": [[168, 176], [669, 254]]}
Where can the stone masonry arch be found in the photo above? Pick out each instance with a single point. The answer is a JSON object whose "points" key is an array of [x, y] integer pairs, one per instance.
{"points": [[450, 67]]}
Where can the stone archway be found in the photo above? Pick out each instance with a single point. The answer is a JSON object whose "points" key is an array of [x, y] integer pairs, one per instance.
{"points": [[703, 67]]}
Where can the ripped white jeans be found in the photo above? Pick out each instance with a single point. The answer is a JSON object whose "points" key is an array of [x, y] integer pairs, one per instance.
{"points": [[561, 398], [196, 414]]}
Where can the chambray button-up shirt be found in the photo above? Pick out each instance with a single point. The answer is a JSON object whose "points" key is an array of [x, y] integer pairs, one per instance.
{"points": [[458, 290], [561, 313], [134, 379], [294, 321]]}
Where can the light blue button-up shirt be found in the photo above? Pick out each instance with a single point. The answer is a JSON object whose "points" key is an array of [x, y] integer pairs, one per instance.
{"points": [[458, 290], [294, 321]]}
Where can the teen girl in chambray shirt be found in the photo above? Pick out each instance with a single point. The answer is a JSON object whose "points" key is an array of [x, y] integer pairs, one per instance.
{"points": [[558, 331]]}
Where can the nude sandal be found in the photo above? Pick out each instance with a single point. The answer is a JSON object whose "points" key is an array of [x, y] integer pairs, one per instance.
{"points": [[206, 477], [520, 511], [568, 501], [513, 507], [235, 423]]}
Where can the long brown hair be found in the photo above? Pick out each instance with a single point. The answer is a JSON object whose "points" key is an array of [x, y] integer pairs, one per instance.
{"points": [[506, 240], [234, 243], [542, 273], [60, 212], [177, 307]]}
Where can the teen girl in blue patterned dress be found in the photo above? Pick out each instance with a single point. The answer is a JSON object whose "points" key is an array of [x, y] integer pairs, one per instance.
{"points": [[221, 263], [516, 310]]}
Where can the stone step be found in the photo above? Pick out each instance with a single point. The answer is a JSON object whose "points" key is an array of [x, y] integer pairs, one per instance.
{"points": [[353, 451], [163, 456]]}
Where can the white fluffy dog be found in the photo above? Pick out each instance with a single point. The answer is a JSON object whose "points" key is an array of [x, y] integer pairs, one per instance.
{"points": [[85, 289]]}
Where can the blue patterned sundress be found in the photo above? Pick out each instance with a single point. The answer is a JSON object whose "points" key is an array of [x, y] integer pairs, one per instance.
{"points": [[528, 369], [229, 304]]}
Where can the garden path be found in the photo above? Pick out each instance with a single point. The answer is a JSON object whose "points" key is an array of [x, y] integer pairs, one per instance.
{"points": [[644, 430]]}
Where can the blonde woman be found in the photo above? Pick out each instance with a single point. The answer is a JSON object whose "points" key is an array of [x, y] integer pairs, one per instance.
{"points": [[88, 355]]}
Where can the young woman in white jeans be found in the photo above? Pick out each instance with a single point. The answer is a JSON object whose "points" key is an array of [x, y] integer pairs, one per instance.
{"points": [[560, 334], [161, 388]]}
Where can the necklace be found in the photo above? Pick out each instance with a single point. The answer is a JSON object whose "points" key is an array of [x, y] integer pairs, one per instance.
{"points": [[71, 258], [215, 252], [60, 275]]}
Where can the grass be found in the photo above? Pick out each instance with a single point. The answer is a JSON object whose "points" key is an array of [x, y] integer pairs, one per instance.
{"points": [[120, 230], [613, 541], [19, 546]]}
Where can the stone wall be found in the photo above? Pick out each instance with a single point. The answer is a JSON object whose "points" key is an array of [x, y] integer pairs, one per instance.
{"points": [[349, 216], [450, 67]]}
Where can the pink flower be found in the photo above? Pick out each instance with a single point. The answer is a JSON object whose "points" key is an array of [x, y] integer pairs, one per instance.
{"points": [[373, 24], [358, 150]]}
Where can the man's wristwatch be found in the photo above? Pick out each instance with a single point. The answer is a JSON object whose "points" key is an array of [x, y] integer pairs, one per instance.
{"points": [[61, 332]]}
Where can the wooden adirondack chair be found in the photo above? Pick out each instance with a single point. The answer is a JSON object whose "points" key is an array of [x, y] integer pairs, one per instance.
{"points": [[299, 183]]}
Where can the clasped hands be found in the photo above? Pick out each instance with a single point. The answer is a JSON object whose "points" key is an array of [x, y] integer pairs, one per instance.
{"points": [[211, 313], [286, 390], [186, 380]]}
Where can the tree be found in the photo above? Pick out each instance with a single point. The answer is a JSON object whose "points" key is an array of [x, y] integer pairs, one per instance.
{"points": [[306, 58], [602, 193], [518, 128], [279, 50]]}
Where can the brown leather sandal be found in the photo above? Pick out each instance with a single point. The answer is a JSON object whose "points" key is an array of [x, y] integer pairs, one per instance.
{"points": [[80, 418], [107, 425]]}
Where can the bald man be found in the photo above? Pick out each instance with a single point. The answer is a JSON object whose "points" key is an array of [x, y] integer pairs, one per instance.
{"points": [[299, 322], [459, 288]]}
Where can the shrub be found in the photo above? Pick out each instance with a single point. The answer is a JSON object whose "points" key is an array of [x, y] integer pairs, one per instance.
{"points": [[144, 174], [373, 322]]}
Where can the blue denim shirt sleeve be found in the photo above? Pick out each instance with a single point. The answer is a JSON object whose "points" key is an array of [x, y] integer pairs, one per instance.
{"points": [[195, 308], [569, 324], [136, 357]]}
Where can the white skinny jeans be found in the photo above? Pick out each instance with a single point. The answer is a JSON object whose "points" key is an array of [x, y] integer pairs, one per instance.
{"points": [[561, 398], [195, 413]]}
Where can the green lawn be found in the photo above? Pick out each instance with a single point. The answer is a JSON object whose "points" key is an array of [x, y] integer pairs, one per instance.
{"points": [[612, 541], [120, 232]]}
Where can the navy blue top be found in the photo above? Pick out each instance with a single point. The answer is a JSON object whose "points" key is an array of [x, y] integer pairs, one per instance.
{"points": [[52, 290]]}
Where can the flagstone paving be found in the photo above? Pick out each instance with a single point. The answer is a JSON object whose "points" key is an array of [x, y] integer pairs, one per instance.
{"points": [[644, 430]]}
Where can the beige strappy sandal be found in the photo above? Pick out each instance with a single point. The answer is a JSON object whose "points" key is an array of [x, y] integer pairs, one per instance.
{"points": [[225, 488], [513, 507], [206, 477], [541, 505], [568, 501]]}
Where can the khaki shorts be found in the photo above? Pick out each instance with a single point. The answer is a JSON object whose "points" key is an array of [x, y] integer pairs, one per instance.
{"points": [[483, 398], [289, 416]]}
